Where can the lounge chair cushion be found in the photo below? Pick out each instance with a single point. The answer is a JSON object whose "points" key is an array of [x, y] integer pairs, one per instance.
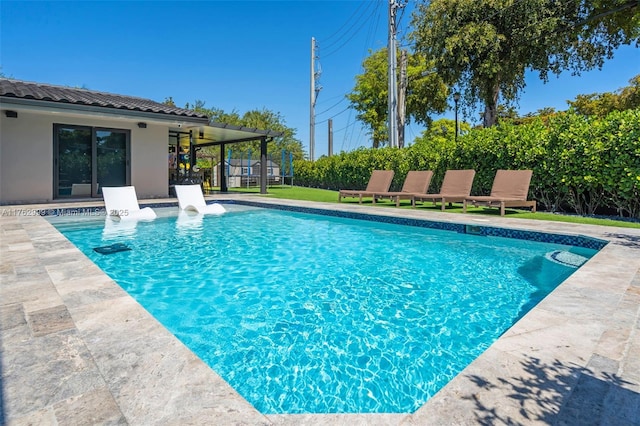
{"points": [[510, 189], [511, 184], [456, 186], [416, 182], [380, 181]]}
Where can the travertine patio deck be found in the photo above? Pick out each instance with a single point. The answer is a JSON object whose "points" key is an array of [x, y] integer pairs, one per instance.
{"points": [[77, 350]]}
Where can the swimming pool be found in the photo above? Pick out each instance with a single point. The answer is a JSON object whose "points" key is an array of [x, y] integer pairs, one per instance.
{"points": [[316, 314]]}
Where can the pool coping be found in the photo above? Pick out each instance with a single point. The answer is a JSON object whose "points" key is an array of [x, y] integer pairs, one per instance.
{"points": [[77, 349]]}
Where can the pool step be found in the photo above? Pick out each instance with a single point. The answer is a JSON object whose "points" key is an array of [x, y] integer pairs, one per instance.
{"points": [[566, 258]]}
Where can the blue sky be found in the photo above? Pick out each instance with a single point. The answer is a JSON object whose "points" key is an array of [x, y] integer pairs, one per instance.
{"points": [[235, 56]]}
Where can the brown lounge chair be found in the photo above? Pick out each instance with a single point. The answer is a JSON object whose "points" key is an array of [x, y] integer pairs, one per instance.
{"points": [[510, 189], [380, 181], [456, 186], [416, 182]]}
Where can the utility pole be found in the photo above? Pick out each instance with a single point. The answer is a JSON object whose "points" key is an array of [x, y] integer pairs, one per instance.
{"points": [[394, 106], [330, 148], [456, 99], [393, 87], [315, 89], [402, 96]]}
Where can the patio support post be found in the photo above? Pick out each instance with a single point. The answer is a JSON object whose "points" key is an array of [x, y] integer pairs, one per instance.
{"points": [[177, 158], [192, 154], [222, 179], [263, 165]]}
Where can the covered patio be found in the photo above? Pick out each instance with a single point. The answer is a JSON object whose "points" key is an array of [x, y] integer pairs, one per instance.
{"points": [[221, 135]]}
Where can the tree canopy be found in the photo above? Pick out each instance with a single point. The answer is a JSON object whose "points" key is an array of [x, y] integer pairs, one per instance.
{"points": [[440, 130], [426, 94], [484, 47], [601, 104]]}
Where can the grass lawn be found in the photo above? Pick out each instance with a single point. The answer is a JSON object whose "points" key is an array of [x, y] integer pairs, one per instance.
{"points": [[315, 194]]}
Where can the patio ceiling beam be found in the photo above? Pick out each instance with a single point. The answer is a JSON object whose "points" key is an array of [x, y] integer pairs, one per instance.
{"points": [[226, 141]]}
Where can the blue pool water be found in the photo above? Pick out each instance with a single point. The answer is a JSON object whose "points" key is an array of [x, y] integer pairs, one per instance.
{"points": [[306, 313]]}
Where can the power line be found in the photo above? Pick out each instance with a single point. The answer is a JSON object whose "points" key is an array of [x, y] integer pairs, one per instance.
{"points": [[373, 29], [401, 29], [334, 116], [346, 22], [363, 22], [331, 99], [353, 129], [346, 127], [372, 13], [358, 138], [371, 35], [344, 138], [333, 106]]}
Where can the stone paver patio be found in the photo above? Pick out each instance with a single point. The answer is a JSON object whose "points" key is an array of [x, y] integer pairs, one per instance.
{"points": [[78, 350]]}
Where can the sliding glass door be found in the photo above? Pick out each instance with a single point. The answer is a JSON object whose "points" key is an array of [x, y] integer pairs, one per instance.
{"points": [[111, 158], [72, 162], [88, 158]]}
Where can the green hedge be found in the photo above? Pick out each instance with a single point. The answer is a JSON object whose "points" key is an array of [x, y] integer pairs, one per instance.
{"points": [[580, 164]]}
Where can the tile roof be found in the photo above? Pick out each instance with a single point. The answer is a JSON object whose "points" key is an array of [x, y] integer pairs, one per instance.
{"points": [[10, 88]]}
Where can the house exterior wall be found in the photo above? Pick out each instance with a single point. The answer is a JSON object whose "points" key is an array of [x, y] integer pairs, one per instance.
{"points": [[26, 155], [149, 156], [26, 158]]}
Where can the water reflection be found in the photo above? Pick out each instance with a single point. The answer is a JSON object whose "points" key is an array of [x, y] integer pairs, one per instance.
{"points": [[189, 221], [119, 228]]}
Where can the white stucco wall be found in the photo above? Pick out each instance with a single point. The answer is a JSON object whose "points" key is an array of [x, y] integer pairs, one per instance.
{"points": [[26, 155], [26, 158], [150, 161]]}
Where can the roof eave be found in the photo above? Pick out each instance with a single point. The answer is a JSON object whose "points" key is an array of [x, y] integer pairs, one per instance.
{"points": [[7, 102]]}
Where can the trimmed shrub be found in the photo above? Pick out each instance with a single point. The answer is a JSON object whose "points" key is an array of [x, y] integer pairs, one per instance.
{"points": [[581, 164]]}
